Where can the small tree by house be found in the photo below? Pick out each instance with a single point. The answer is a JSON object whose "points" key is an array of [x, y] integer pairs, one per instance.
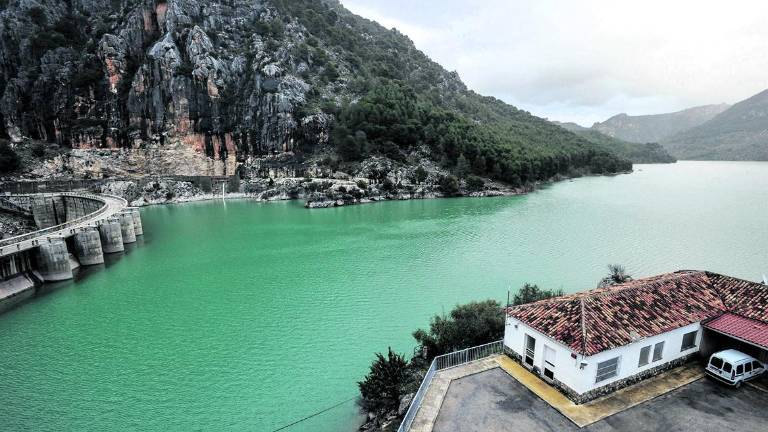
{"points": [[616, 275], [530, 293], [467, 325], [382, 388]]}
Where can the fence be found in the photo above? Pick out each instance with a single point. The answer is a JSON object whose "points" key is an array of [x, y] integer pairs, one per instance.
{"points": [[445, 361], [38, 233]]}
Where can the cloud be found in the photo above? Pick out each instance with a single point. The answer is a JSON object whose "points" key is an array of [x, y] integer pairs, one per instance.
{"points": [[585, 61]]}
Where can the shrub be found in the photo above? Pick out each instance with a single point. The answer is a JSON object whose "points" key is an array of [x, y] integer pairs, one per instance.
{"points": [[529, 293], [383, 386], [9, 160], [38, 150], [362, 184], [475, 183], [467, 325], [449, 185], [420, 174]]}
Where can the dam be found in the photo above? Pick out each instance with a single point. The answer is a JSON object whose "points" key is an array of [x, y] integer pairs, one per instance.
{"points": [[73, 229]]}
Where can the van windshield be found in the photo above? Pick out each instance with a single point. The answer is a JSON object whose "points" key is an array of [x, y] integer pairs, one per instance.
{"points": [[716, 362]]}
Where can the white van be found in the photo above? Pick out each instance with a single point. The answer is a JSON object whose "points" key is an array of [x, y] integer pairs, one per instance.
{"points": [[733, 367]]}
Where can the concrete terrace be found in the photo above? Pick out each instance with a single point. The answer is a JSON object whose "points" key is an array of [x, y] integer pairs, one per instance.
{"points": [[486, 394]]}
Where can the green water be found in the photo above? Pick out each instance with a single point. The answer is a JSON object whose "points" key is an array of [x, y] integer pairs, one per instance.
{"points": [[247, 316]]}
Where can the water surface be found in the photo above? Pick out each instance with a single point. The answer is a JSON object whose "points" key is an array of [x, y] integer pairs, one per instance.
{"points": [[248, 316]]}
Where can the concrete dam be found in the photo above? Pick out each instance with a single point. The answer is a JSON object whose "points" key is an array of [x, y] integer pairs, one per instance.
{"points": [[73, 230]]}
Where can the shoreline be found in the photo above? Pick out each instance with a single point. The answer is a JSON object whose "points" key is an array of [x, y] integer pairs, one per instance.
{"points": [[396, 196]]}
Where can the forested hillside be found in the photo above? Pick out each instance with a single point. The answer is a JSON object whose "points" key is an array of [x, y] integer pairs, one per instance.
{"points": [[635, 152], [739, 133]]}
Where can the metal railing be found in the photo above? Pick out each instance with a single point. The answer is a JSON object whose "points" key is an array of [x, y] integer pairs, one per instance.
{"points": [[445, 361], [41, 232]]}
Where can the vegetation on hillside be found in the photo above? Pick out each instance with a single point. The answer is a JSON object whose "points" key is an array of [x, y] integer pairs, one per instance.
{"points": [[408, 101], [635, 152]]}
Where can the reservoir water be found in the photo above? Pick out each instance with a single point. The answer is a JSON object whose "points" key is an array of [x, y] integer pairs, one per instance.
{"points": [[248, 316]]}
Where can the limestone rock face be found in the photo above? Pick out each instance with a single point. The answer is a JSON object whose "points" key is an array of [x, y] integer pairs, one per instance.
{"points": [[182, 86]]}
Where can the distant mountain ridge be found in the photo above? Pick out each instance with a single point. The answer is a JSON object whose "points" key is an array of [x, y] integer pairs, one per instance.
{"points": [[657, 127], [738, 133], [635, 152]]}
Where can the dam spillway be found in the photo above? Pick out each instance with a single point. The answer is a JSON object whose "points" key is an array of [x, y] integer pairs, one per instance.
{"points": [[74, 229]]}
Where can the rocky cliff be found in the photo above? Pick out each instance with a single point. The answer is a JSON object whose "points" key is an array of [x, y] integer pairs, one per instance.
{"points": [[204, 82], [189, 87]]}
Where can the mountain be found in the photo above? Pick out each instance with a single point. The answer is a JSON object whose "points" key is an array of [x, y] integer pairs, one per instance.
{"points": [[657, 127], [254, 87], [635, 152], [738, 133]]}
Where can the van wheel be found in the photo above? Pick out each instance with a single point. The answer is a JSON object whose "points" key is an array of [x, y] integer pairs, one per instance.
{"points": [[738, 384]]}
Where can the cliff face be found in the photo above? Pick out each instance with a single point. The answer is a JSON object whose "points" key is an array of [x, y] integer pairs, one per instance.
{"points": [[205, 82]]}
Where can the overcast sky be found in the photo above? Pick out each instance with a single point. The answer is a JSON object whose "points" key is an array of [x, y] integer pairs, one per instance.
{"points": [[587, 60]]}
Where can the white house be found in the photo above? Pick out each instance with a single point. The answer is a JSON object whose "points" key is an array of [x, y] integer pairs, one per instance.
{"points": [[591, 343]]}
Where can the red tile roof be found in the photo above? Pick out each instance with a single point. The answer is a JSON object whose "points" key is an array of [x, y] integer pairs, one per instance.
{"points": [[747, 329], [601, 319]]}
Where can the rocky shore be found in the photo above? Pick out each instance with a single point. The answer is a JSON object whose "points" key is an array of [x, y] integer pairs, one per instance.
{"points": [[375, 179]]}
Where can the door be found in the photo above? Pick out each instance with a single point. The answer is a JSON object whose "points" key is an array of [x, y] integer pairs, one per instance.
{"points": [[549, 362], [530, 349]]}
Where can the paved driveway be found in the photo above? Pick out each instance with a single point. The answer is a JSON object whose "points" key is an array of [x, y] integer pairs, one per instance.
{"points": [[494, 401]]}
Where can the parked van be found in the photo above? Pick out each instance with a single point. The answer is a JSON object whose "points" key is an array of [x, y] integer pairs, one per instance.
{"points": [[733, 367]]}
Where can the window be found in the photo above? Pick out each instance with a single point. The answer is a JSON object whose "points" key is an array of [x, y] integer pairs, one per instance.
{"points": [[739, 369], [748, 367], [727, 367], [645, 353], [716, 362], [607, 369], [658, 350], [756, 364], [689, 341]]}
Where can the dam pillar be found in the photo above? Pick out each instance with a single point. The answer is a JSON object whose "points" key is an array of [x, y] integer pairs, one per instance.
{"points": [[126, 227], [111, 236], [88, 246], [137, 227], [53, 260]]}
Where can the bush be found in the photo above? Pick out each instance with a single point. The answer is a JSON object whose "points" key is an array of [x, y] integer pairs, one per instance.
{"points": [[475, 183], [38, 150], [362, 184], [467, 325], [9, 160], [449, 185], [530, 293], [384, 385], [420, 174]]}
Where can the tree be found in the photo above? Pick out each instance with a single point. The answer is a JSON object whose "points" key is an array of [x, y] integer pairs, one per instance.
{"points": [[530, 293], [421, 174], [383, 386], [616, 275], [462, 166], [475, 183], [9, 160], [449, 185], [468, 325]]}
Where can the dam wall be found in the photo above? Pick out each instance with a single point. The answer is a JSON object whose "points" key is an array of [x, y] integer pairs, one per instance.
{"points": [[74, 230]]}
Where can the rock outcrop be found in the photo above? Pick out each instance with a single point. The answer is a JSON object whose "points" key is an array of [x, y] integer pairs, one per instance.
{"points": [[182, 85]]}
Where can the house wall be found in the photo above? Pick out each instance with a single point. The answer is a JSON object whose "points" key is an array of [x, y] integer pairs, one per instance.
{"points": [[579, 383]]}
